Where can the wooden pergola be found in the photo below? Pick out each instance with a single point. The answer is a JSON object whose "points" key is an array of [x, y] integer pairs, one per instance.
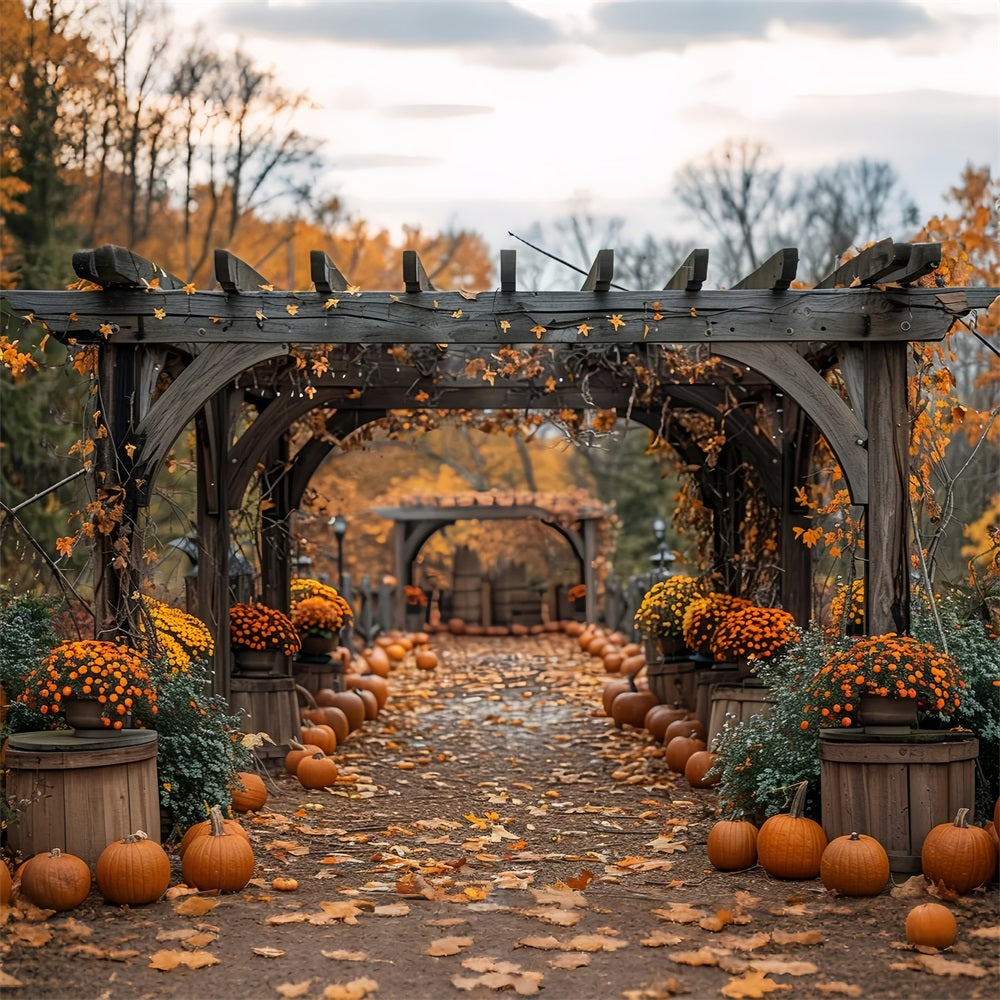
{"points": [[169, 354]]}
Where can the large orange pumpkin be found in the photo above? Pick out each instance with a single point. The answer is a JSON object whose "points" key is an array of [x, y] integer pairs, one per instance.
{"points": [[679, 749], [790, 845], [961, 856], [732, 845], [133, 871], [629, 708], [854, 865], [697, 768], [54, 880], [250, 792]]}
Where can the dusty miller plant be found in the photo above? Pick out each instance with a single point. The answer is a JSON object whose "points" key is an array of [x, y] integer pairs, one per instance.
{"points": [[763, 758]]}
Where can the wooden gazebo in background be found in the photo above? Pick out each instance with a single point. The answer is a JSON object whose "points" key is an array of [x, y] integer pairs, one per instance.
{"points": [[169, 354]]}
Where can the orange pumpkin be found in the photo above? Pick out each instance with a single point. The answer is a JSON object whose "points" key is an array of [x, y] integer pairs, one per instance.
{"points": [[219, 860], [396, 652], [961, 856], [299, 750], [378, 660], [425, 659], [321, 736], [6, 884], [679, 749], [931, 925], [202, 829], [133, 871], [613, 688], [54, 880], [659, 717], [732, 845], [371, 682], [250, 792], [317, 771], [689, 726], [697, 768], [790, 845], [854, 865], [629, 708], [369, 701]]}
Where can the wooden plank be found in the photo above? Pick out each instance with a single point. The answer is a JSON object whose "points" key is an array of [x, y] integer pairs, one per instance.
{"points": [[237, 276], [601, 273], [691, 275], [325, 275], [922, 259], [798, 316], [118, 267], [776, 273], [508, 271], [414, 276], [870, 265]]}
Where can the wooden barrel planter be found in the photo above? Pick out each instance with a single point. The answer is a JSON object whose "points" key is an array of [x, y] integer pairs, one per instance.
{"points": [[707, 678], [81, 794], [895, 788], [315, 672], [672, 681], [270, 705], [736, 703]]}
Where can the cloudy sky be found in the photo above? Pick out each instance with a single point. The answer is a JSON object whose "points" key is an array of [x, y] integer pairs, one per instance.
{"points": [[494, 114]]}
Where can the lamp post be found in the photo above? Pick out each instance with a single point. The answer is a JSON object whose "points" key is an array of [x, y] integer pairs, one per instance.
{"points": [[339, 526], [664, 557]]}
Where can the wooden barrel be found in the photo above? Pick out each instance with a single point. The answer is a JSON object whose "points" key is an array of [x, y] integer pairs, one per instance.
{"points": [[672, 681], [81, 794], [895, 789], [736, 704], [315, 672], [706, 678], [269, 705], [467, 587]]}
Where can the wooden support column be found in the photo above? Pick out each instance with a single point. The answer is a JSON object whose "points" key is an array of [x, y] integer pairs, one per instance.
{"points": [[276, 548], [797, 443], [887, 577], [589, 576], [212, 429]]}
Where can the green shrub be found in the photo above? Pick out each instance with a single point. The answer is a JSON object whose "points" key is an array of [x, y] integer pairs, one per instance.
{"points": [[27, 633]]}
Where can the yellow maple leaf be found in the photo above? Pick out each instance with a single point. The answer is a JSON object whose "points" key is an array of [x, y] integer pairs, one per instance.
{"points": [[457, 314], [331, 303], [104, 330], [504, 325], [584, 329], [260, 315], [189, 288], [64, 546], [353, 289], [538, 330], [159, 313], [291, 309], [266, 288], [616, 321]]}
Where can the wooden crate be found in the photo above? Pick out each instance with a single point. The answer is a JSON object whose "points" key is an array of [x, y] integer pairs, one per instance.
{"points": [[673, 681], [270, 705], [81, 794], [736, 703], [895, 790], [316, 672], [707, 678]]}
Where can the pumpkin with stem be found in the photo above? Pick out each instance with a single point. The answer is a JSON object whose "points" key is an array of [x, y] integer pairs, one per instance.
{"points": [[55, 880], [680, 749], [204, 828], [854, 865], [299, 750], [629, 707], [931, 925], [790, 845], [250, 792], [958, 855], [133, 871], [690, 726], [220, 860], [320, 735], [732, 845], [317, 771], [660, 716], [698, 769]]}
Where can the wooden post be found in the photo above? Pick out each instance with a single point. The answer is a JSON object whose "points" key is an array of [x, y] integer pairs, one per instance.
{"points": [[798, 441], [887, 578], [275, 557]]}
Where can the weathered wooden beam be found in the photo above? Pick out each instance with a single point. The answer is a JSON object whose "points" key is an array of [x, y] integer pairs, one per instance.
{"points": [[923, 258], [508, 271], [798, 315], [776, 273], [118, 267], [325, 275], [237, 276], [691, 275], [869, 266], [788, 370], [414, 276], [601, 272]]}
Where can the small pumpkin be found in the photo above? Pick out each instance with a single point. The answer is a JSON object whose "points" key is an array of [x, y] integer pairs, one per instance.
{"points": [[689, 726], [613, 660], [349, 704], [425, 659], [659, 717], [203, 829], [961, 856], [133, 871], [790, 845], [6, 884], [629, 708], [219, 860], [369, 701], [250, 792], [732, 845], [679, 749], [300, 750], [396, 652], [697, 769], [854, 865], [317, 771], [55, 880], [378, 660], [931, 925], [613, 688], [335, 718], [319, 735], [284, 884]]}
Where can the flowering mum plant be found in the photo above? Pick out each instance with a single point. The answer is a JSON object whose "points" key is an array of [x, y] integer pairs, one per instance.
{"points": [[897, 666], [256, 626], [318, 617], [303, 587], [753, 632], [704, 615], [116, 675], [661, 612], [179, 638]]}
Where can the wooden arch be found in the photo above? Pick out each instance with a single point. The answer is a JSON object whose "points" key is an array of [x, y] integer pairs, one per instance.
{"points": [[170, 354]]}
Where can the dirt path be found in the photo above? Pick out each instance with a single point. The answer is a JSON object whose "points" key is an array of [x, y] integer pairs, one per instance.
{"points": [[495, 832]]}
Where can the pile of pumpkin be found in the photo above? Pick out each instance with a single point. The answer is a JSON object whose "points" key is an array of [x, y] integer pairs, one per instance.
{"points": [[458, 626], [617, 653], [331, 716], [791, 846]]}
